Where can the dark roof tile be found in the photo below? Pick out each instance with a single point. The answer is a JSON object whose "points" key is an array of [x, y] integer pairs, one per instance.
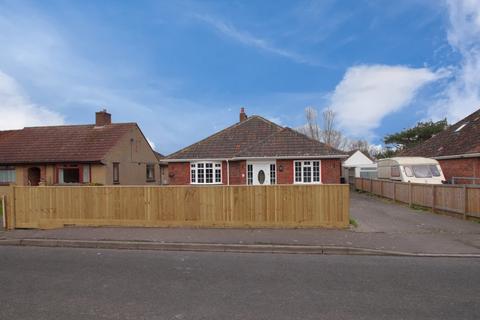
{"points": [[459, 139], [76, 143]]}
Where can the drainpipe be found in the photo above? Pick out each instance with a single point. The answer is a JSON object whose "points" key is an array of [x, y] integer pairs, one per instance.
{"points": [[228, 173], [4, 213]]}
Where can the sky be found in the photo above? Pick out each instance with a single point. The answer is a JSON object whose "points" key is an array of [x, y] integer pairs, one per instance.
{"points": [[183, 69]]}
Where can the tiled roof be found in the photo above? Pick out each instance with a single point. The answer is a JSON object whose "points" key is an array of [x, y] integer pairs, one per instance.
{"points": [[462, 138], [289, 143], [77, 143], [254, 137]]}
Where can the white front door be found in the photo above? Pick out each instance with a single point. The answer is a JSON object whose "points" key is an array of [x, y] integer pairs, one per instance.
{"points": [[261, 172]]}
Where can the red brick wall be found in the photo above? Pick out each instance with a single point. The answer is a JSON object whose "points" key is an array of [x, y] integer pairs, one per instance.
{"points": [[467, 167], [179, 173], [224, 172], [331, 170], [238, 172], [284, 175]]}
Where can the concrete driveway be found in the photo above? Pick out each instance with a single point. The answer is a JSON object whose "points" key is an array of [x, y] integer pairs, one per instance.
{"points": [[413, 228]]}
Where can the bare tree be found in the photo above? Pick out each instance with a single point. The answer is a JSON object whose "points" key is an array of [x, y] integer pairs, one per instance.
{"points": [[330, 135], [312, 129], [361, 145]]}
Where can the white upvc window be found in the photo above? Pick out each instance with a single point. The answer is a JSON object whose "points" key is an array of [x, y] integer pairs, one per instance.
{"points": [[206, 172], [7, 174], [307, 172]]}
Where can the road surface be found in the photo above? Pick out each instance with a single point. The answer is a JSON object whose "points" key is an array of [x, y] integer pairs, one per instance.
{"points": [[61, 283]]}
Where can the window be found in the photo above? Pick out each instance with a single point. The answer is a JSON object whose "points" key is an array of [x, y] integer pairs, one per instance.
{"points": [[249, 174], [435, 171], [395, 171], [116, 173], [422, 171], [409, 171], [307, 171], [73, 174], [272, 174], [206, 173], [7, 174], [86, 173], [150, 172]]}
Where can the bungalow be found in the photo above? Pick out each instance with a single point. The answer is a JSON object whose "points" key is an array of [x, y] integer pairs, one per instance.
{"points": [[102, 153], [457, 149], [255, 151]]}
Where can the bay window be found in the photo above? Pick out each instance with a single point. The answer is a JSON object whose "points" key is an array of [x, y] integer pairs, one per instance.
{"points": [[206, 172], [307, 171]]}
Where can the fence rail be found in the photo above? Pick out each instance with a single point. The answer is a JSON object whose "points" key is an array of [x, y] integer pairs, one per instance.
{"points": [[155, 206], [463, 199]]}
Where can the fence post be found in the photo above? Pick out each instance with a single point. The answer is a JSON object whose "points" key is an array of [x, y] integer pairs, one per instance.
{"points": [[10, 209], [465, 201], [409, 194], [381, 188], [433, 198]]}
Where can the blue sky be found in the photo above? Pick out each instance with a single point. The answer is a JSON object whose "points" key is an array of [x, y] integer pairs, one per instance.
{"points": [[182, 69]]}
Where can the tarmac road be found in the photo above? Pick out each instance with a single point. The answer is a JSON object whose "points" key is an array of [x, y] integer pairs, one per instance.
{"points": [[67, 283]]}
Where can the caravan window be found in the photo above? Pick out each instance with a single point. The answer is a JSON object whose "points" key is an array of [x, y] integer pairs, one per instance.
{"points": [[409, 171], [395, 171], [435, 171], [422, 171]]}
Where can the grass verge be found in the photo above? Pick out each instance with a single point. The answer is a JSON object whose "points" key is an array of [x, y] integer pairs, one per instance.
{"points": [[353, 222]]}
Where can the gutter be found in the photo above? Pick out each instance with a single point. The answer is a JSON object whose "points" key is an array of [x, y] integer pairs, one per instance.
{"points": [[337, 156], [458, 156]]}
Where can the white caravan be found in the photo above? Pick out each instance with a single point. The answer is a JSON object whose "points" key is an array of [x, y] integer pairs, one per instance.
{"points": [[411, 169]]}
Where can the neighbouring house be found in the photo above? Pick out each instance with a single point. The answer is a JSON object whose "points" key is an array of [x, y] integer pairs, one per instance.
{"points": [[358, 165], [103, 153], [255, 151], [457, 149]]}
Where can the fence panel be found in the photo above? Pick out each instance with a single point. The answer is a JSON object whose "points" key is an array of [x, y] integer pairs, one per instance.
{"points": [[473, 204], [235, 206], [452, 198], [402, 192], [422, 195]]}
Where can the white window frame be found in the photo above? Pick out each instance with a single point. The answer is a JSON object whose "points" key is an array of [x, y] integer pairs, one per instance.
{"points": [[9, 175], [216, 167], [309, 164]]}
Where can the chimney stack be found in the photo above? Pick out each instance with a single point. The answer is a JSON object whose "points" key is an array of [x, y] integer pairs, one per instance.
{"points": [[243, 115], [102, 118]]}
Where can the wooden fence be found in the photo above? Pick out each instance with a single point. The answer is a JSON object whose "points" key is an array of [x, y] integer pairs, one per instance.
{"points": [[154, 206], [462, 199]]}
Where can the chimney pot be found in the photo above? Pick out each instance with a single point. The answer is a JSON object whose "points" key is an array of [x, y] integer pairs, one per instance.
{"points": [[243, 115], [103, 118]]}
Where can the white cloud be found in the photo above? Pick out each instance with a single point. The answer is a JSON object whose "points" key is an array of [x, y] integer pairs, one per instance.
{"points": [[17, 111], [249, 40], [367, 93], [462, 94], [151, 143]]}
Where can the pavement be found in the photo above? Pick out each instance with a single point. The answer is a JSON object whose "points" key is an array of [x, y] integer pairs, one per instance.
{"points": [[383, 228], [77, 284]]}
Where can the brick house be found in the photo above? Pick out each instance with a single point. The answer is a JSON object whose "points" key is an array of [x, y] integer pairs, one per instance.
{"points": [[457, 149], [255, 151], [103, 153]]}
